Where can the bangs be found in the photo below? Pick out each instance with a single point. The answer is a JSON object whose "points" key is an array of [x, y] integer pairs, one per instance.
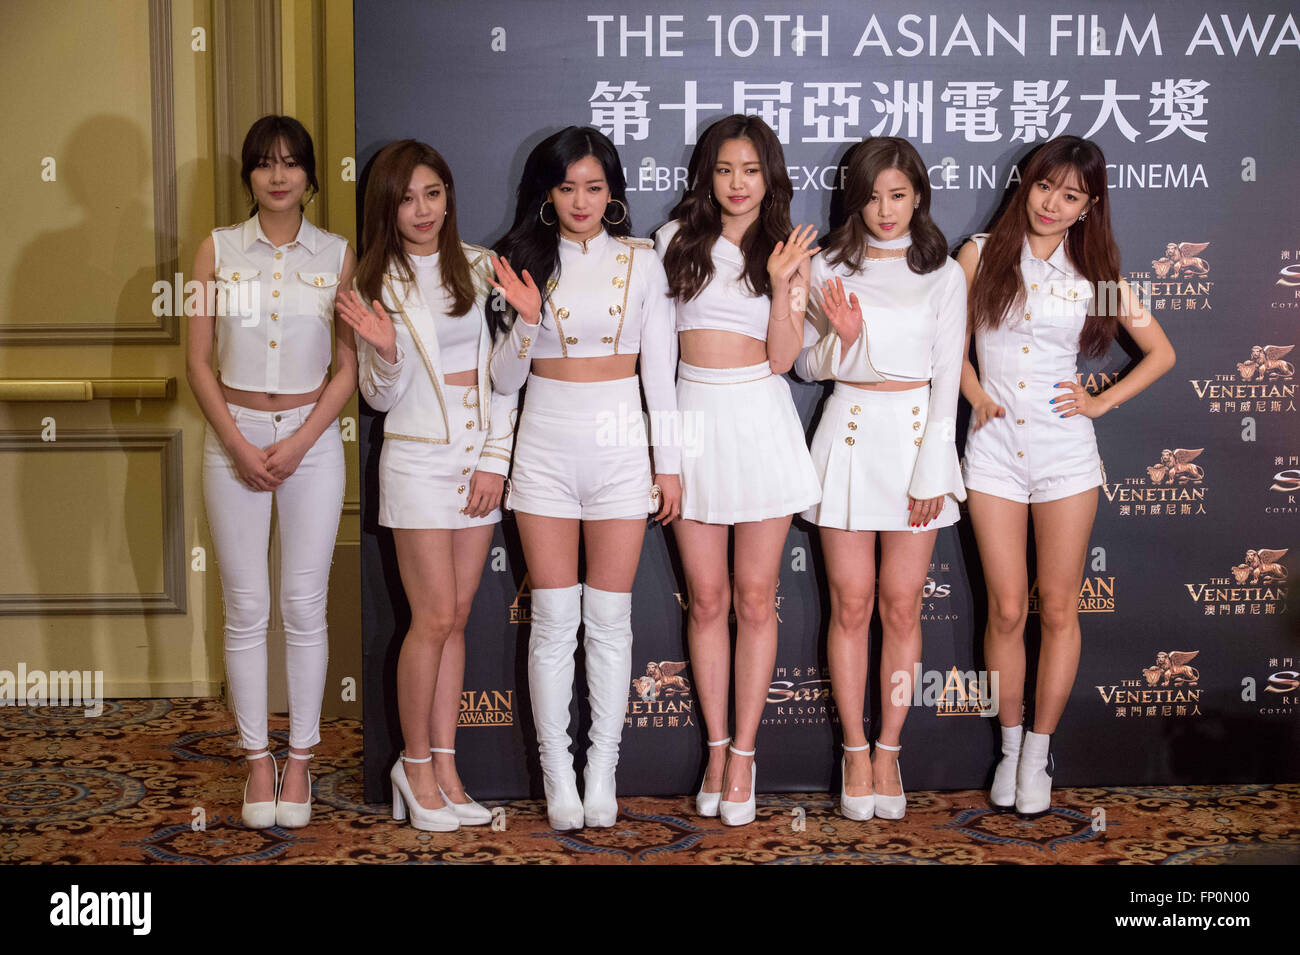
{"points": [[1067, 176]]}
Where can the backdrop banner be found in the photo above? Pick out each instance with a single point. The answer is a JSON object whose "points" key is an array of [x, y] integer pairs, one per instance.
{"points": [[1189, 668]]}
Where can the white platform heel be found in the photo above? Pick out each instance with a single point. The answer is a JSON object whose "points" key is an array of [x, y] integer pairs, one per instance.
{"points": [[261, 815], [741, 813], [891, 807], [857, 808], [468, 813], [706, 804], [294, 815], [442, 819]]}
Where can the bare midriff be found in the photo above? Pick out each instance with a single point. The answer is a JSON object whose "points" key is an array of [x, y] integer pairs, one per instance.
{"points": [[887, 385], [716, 348], [262, 401], [461, 378], [604, 368]]}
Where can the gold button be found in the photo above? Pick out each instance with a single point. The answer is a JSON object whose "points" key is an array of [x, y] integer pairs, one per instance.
{"points": [[916, 409], [523, 354], [275, 316], [469, 448], [465, 509], [615, 309], [1020, 421], [279, 255], [234, 277], [856, 409], [621, 258], [1025, 349], [562, 314], [1026, 316], [293, 245], [571, 340], [916, 426], [849, 440], [1020, 385], [1020, 454], [318, 281], [607, 339], [853, 426], [618, 281], [1074, 293], [1034, 287], [276, 275], [917, 442], [469, 425], [464, 470], [461, 489], [274, 345], [275, 293]]}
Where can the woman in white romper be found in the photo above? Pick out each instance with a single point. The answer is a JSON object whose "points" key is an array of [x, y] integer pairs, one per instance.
{"points": [[424, 353], [1044, 286], [889, 330], [740, 279], [589, 301], [272, 410]]}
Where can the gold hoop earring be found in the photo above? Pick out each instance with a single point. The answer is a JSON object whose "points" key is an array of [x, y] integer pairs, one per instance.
{"points": [[542, 217], [621, 218]]}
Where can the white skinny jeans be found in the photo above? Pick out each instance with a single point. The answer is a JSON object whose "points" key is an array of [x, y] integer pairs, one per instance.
{"points": [[308, 505]]}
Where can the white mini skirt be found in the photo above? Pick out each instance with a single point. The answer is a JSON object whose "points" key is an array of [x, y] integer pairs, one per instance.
{"points": [[865, 450], [744, 455], [423, 485], [582, 451]]}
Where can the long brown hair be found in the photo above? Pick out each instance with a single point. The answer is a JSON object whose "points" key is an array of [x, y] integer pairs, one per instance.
{"points": [[847, 245], [381, 243], [689, 259], [999, 288]]}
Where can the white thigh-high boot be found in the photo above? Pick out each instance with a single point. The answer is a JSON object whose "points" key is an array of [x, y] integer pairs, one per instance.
{"points": [[1034, 777], [1003, 793], [607, 618], [551, 646]]}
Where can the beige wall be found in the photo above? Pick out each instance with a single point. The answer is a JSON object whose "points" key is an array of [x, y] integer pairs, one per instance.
{"points": [[97, 528]]}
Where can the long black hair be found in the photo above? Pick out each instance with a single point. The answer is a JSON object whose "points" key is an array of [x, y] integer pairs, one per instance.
{"points": [[689, 260], [262, 141], [532, 244]]}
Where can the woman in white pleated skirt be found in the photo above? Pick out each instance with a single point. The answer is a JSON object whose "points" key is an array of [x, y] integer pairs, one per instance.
{"points": [[740, 278]]}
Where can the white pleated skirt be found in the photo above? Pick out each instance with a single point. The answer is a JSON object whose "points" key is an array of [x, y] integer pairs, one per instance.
{"points": [[423, 485], [744, 455], [865, 450]]}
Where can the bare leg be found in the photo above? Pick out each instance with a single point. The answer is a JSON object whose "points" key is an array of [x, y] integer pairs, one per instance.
{"points": [[851, 572], [1002, 533]]}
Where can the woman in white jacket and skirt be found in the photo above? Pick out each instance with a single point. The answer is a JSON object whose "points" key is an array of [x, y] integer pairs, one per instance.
{"points": [[424, 356]]}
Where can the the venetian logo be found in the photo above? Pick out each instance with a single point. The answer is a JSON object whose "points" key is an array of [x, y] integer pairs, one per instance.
{"points": [[1264, 383], [661, 697], [1256, 586], [521, 608], [1174, 485], [1178, 280], [1169, 687], [1096, 595], [486, 708]]}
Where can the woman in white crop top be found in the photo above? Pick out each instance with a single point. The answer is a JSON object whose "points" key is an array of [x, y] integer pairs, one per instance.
{"points": [[740, 279], [424, 352], [889, 330], [589, 301], [272, 410], [1045, 285]]}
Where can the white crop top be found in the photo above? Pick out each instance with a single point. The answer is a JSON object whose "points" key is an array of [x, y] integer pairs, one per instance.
{"points": [[609, 297], [275, 307], [457, 340], [726, 303]]}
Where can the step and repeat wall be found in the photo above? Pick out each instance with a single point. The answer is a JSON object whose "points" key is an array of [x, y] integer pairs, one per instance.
{"points": [[1190, 650]]}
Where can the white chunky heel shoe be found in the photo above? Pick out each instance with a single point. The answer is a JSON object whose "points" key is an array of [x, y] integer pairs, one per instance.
{"points": [[891, 807], [741, 813], [857, 808], [469, 813], [706, 804]]}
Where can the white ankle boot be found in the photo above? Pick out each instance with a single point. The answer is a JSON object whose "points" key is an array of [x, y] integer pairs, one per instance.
{"points": [[1034, 776], [607, 640], [551, 645], [1003, 794]]}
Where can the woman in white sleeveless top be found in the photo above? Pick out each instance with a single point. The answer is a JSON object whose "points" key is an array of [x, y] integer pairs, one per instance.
{"points": [[1044, 286], [424, 351], [272, 409], [740, 279]]}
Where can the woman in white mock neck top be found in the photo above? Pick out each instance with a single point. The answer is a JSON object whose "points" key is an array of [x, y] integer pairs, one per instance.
{"points": [[424, 352], [739, 275], [888, 328], [272, 409], [589, 303]]}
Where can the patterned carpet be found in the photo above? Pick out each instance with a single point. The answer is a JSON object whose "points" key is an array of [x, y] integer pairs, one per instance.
{"points": [[159, 781]]}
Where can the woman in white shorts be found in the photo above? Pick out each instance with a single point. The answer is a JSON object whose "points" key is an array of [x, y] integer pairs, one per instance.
{"points": [[273, 436], [740, 279], [889, 329], [424, 355], [588, 301], [1045, 286]]}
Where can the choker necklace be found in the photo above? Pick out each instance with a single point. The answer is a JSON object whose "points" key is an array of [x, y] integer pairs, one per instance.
{"points": [[902, 242]]}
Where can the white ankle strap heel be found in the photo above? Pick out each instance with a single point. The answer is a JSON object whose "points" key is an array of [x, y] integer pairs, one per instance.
{"points": [[442, 819], [260, 815], [741, 813], [857, 808], [469, 813], [706, 803], [294, 815], [891, 807]]}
